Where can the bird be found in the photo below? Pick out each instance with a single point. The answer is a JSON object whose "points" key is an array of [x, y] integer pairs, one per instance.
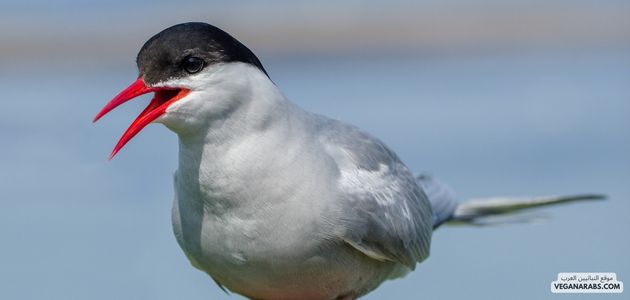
{"points": [[273, 201]]}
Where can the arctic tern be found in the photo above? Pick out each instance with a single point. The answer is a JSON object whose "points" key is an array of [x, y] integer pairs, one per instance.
{"points": [[274, 202]]}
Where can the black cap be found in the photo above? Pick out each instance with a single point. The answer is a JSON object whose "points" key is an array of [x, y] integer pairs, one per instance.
{"points": [[187, 48]]}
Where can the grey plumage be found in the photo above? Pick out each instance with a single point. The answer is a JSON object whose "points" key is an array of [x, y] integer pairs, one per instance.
{"points": [[483, 211], [386, 214], [476, 211], [441, 197]]}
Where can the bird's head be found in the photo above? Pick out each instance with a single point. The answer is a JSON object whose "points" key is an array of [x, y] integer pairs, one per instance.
{"points": [[182, 67]]}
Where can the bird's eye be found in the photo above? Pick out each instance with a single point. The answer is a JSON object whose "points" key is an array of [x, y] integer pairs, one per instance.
{"points": [[192, 64]]}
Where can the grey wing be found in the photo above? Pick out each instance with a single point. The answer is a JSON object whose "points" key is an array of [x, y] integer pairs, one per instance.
{"points": [[386, 215], [441, 197]]}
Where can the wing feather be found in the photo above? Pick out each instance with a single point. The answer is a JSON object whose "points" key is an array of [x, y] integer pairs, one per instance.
{"points": [[386, 214]]}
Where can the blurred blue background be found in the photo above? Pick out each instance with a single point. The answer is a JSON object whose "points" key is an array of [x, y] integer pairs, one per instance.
{"points": [[493, 97]]}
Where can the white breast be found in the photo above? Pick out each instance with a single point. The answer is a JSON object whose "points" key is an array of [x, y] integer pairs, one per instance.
{"points": [[256, 195]]}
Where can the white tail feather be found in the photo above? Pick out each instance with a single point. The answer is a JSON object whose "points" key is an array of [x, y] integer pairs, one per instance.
{"points": [[476, 211]]}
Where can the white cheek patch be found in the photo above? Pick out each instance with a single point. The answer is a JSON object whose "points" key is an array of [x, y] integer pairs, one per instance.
{"points": [[197, 84], [215, 90], [186, 102]]}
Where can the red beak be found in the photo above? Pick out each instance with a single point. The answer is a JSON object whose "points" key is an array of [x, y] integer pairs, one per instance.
{"points": [[161, 100]]}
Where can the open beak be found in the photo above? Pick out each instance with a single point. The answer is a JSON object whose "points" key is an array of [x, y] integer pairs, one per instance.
{"points": [[163, 98]]}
